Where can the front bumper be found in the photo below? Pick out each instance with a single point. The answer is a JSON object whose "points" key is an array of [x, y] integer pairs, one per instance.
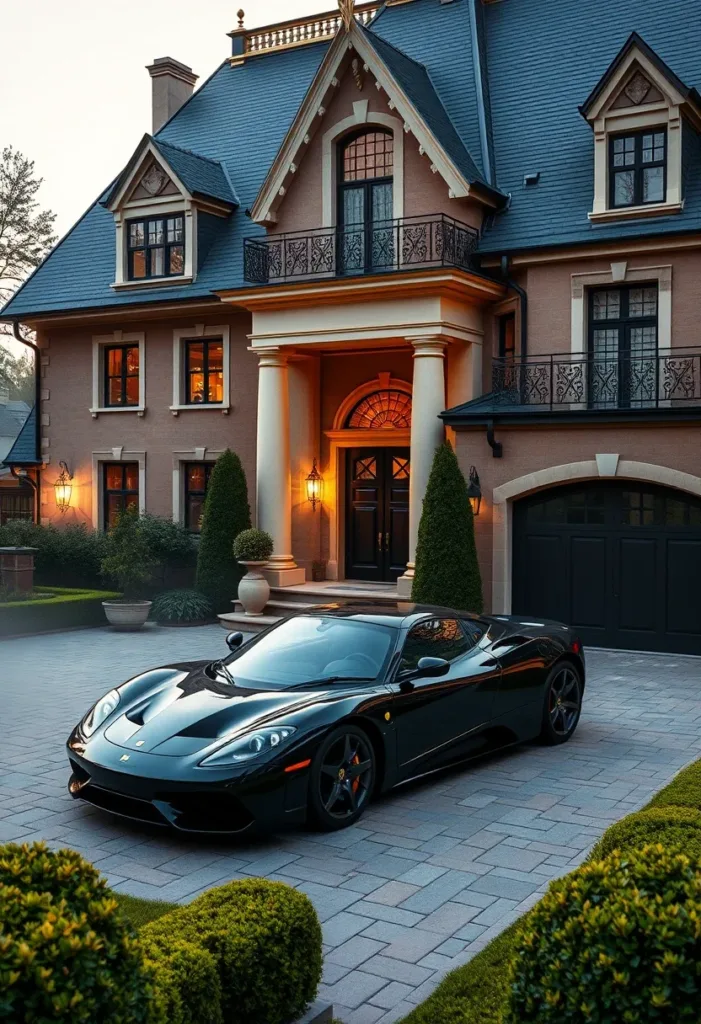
{"points": [[212, 803]]}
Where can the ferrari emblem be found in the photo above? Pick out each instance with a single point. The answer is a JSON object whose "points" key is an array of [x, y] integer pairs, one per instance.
{"points": [[341, 774], [346, 9], [387, 716], [124, 757]]}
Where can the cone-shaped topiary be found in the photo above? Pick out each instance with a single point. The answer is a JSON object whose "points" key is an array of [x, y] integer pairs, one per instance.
{"points": [[447, 572], [226, 514]]}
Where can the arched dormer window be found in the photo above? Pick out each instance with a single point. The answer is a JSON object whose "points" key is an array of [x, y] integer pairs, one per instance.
{"points": [[366, 201]]}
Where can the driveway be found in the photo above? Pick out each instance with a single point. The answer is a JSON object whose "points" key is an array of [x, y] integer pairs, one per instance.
{"points": [[430, 874]]}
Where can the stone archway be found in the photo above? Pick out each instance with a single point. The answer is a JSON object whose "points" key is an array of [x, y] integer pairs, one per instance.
{"points": [[602, 467]]}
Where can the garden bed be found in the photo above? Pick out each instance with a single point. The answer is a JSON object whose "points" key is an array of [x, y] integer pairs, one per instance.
{"points": [[53, 608]]}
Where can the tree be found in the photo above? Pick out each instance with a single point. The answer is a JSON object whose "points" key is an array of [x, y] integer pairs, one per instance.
{"points": [[226, 514], [447, 571], [26, 235]]}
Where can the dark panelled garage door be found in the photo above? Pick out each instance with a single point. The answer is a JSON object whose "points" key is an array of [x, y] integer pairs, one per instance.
{"points": [[620, 561]]}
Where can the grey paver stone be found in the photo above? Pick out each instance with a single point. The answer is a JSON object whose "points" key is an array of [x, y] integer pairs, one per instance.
{"points": [[389, 997], [354, 952], [392, 893]]}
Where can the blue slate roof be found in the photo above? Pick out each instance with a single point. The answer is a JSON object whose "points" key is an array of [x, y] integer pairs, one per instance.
{"points": [[24, 450], [543, 59]]}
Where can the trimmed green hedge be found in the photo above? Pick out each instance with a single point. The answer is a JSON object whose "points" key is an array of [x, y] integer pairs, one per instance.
{"points": [[264, 941], [683, 791], [671, 826], [64, 609]]}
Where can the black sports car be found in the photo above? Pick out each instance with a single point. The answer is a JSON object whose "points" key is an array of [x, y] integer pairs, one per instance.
{"points": [[319, 712]]}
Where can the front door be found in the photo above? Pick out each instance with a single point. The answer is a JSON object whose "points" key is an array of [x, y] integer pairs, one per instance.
{"points": [[377, 513]]}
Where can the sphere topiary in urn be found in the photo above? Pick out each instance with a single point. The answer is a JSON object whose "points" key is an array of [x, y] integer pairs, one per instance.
{"points": [[253, 548]]}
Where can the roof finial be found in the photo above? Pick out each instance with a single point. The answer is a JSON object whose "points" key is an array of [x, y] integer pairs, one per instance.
{"points": [[241, 14], [346, 9]]}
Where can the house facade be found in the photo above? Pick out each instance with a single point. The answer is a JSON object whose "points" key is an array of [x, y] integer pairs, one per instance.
{"points": [[365, 233]]}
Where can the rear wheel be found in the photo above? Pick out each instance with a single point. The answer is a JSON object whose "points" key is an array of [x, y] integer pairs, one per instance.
{"points": [[342, 778], [563, 703]]}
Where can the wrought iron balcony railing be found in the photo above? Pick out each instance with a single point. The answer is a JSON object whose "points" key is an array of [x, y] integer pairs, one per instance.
{"points": [[669, 378], [408, 244]]}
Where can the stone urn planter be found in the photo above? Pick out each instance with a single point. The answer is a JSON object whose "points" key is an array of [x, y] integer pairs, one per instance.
{"points": [[253, 548], [254, 589], [127, 616]]}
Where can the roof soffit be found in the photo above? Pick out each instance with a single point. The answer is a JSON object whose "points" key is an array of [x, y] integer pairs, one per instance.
{"points": [[311, 114]]}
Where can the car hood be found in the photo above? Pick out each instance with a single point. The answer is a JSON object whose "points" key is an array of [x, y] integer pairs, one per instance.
{"points": [[182, 711]]}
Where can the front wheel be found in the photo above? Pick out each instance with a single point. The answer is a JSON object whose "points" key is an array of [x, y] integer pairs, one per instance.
{"points": [[563, 703], [342, 778]]}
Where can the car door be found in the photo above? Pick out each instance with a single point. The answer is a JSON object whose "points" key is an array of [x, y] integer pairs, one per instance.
{"points": [[436, 718]]}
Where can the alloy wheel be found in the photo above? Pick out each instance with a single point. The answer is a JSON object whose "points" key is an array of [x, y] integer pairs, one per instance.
{"points": [[346, 775], [565, 701]]}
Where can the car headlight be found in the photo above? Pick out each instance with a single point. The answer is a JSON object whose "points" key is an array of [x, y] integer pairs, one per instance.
{"points": [[252, 745], [100, 713]]}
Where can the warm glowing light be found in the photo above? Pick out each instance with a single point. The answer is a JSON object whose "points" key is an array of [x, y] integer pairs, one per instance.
{"points": [[314, 486], [63, 489], [474, 491]]}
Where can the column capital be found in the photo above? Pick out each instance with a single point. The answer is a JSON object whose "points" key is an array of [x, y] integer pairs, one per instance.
{"points": [[270, 356], [433, 346]]}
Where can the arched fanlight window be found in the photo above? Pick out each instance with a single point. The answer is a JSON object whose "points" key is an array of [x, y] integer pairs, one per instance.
{"points": [[383, 410], [367, 156]]}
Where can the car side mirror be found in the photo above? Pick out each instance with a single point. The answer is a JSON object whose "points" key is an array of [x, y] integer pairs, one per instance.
{"points": [[430, 668], [234, 641]]}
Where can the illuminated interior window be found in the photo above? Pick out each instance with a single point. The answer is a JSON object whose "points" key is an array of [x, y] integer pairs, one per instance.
{"points": [[384, 410]]}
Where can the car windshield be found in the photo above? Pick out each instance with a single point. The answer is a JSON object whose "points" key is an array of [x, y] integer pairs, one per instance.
{"points": [[313, 648]]}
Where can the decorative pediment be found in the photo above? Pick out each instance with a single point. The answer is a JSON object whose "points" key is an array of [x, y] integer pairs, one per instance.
{"points": [[410, 94], [155, 181], [638, 78]]}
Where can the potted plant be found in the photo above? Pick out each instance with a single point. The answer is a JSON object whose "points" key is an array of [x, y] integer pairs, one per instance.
{"points": [[128, 562], [253, 548]]}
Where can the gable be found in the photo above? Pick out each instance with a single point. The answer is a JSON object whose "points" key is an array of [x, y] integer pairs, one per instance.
{"points": [[154, 181]]}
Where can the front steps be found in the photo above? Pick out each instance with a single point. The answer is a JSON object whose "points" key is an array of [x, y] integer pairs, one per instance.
{"points": [[288, 600]]}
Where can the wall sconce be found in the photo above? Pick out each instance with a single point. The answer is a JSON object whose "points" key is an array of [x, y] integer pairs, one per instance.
{"points": [[63, 488], [474, 491], [314, 482]]}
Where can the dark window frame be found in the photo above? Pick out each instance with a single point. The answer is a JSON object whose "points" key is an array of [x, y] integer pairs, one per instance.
{"points": [[504, 320], [470, 642], [147, 248], [367, 185], [16, 503], [124, 492], [189, 492], [205, 371], [623, 324], [638, 166], [123, 376]]}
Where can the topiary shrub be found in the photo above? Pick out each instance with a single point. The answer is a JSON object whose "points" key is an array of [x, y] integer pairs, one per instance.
{"points": [[265, 939], [678, 827], [683, 791], [617, 940], [67, 953], [253, 546], [181, 606], [187, 989], [447, 572], [226, 514]]}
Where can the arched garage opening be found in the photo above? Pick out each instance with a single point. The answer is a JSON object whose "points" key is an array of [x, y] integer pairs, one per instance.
{"points": [[620, 560]]}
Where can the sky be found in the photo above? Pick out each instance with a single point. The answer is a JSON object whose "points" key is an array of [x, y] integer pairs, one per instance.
{"points": [[76, 96]]}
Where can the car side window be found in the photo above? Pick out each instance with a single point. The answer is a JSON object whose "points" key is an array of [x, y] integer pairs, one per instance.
{"points": [[434, 638], [474, 629]]}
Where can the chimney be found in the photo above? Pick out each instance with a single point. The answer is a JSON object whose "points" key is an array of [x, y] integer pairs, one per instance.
{"points": [[173, 84]]}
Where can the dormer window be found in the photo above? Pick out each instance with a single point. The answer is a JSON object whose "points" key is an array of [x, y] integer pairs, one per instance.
{"points": [[637, 168], [156, 248]]}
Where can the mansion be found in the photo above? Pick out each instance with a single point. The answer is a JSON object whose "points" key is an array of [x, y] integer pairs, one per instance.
{"points": [[472, 219]]}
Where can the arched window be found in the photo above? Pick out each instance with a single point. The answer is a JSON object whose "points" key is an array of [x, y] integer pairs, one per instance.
{"points": [[383, 410], [366, 201]]}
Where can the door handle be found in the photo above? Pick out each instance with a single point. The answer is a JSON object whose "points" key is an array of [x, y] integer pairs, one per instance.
{"points": [[386, 542], [379, 541]]}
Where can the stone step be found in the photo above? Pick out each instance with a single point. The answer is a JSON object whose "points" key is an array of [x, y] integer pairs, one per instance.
{"points": [[247, 623], [281, 607], [328, 593]]}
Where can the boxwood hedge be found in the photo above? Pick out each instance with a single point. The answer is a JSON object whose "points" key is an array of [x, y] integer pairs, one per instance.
{"points": [[57, 608], [673, 827]]}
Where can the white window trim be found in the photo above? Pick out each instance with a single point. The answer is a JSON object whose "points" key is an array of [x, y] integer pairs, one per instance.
{"points": [[183, 334], [180, 460], [607, 121], [99, 343], [117, 454], [360, 116]]}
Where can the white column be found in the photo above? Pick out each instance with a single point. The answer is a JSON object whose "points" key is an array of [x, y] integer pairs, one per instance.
{"points": [[273, 494], [427, 433]]}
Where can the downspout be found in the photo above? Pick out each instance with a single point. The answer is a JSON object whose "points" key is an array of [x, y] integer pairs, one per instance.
{"points": [[37, 403], [480, 91], [523, 297]]}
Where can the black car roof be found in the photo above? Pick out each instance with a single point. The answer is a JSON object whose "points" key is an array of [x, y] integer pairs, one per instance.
{"points": [[387, 613]]}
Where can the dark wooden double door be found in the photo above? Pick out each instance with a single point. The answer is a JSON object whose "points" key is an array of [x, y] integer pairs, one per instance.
{"points": [[620, 562], [377, 513]]}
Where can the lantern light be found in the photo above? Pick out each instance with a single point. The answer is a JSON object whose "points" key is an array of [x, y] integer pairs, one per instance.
{"points": [[474, 491], [314, 482], [63, 488]]}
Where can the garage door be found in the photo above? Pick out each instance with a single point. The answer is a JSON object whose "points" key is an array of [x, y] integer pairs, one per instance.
{"points": [[621, 562]]}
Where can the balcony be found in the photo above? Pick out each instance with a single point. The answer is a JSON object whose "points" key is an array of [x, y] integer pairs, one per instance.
{"points": [[412, 243], [669, 379]]}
